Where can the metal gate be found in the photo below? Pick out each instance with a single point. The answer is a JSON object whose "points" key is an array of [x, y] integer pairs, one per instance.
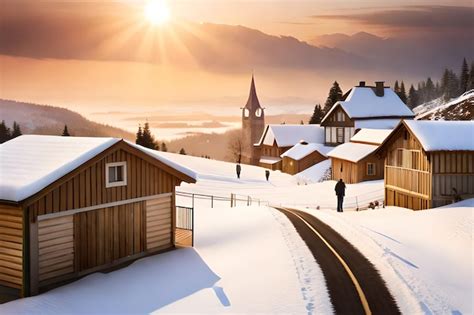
{"points": [[184, 226]]}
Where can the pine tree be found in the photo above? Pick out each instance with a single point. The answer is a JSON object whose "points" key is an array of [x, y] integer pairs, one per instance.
{"points": [[396, 88], [182, 152], [5, 133], [430, 92], [16, 132], [464, 77], [139, 139], [403, 93], [147, 138], [470, 85], [449, 85], [335, 95], [318, 115], [412, 97], [65, 132], [164, 148]]}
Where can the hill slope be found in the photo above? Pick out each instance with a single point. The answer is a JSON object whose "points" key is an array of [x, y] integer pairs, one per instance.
{"points": [[460, 108], [50, 120]]}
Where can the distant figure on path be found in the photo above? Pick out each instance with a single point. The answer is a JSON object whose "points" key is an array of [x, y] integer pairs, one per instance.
{"points": [[340, 192], [267, 174], [238, 169]]}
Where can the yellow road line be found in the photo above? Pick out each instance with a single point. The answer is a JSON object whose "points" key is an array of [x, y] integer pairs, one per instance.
{"points": [[362, 297]]}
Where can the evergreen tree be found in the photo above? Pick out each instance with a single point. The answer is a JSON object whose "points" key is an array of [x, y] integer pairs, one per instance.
{"points": [[164, 148], [182, 152], [412, 97], [148, 140], [318, 115], [449, 85], [396, 88], [470, 84], [464, 77], [16, 130], [5, 133], [139, 138], [65, 132], [403, 93], [335, 95]]}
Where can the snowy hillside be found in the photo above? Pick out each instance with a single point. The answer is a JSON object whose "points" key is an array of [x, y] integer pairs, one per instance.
{"points": [[460, 108]]}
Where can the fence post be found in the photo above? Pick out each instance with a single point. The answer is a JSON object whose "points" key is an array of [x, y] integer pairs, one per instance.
{"points": [[248, 201], [259, 202], [357, 204], [231, 200], [212, 201], [193, 202]]}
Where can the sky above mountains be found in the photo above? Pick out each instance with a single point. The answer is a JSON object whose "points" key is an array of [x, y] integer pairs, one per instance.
{"points": [[91, 55]]}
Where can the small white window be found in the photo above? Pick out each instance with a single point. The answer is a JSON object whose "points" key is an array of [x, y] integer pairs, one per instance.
{"points": [[115, 174], [370, 169], [340, 135]]}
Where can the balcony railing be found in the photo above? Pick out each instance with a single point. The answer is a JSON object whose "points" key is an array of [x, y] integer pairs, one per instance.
{"points": [[408, 180]]}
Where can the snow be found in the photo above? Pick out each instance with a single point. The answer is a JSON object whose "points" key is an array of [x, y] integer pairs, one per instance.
{"points": [[443, 135], [353, 152], [289, 135], [315, 173], [269, 160], [245, 260], [30, 163], [376, 123], [373, 136], [428, 108], [363, 103], [302, 150], [424, 256]]}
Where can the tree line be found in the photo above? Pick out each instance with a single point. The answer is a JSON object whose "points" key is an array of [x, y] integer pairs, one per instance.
{"points": [[145, 138], [7, 133], [450, 86]]}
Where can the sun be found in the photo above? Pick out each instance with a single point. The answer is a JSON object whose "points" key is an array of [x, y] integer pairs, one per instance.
{"points": [[157, 12]]}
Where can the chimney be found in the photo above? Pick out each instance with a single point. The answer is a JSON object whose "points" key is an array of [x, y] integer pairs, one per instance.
{"points": [[379, 88], [362, 83]]}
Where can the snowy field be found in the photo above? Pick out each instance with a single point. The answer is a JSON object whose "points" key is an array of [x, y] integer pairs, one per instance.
{"points": [[251, 260]]}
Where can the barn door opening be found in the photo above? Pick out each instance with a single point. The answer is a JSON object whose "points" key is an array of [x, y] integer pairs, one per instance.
{"points": [[184, 226]]}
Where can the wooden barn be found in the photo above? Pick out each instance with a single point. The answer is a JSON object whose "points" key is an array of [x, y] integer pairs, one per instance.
{"points": [[277, 139], [70, 206], [363, 106], [428, 163], [355, 161], [302, 156]]}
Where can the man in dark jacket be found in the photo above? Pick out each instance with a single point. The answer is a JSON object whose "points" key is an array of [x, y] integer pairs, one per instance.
{"points": [[340, 192]]}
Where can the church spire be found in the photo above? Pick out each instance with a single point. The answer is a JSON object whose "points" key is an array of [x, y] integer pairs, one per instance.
{"points": [[252, 102]]}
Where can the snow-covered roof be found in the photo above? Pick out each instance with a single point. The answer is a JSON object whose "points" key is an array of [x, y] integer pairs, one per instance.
{"points": [[436, 135], [302, 150], [362, 102], [373, 136], [29, 163], [353, 152], [289, 135], [269, 159], [376, 123]]}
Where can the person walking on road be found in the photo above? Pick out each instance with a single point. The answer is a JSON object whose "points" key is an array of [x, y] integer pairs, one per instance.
{"points": [[267, 174], [340, 192], [238, 169]]}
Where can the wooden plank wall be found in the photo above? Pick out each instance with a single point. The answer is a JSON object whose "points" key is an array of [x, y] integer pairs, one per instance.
{"points": [[292, 166], [399, 199], [452, 170], [106, 235], [11, 246], [356, 172], [87, 188], [55, 247], [159, 226]]}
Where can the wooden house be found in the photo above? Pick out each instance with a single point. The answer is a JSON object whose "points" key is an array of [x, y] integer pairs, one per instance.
{"points": [[428, 163], [71, 206], [277, 139], [355, 161], [302, 156], [375, 107]]}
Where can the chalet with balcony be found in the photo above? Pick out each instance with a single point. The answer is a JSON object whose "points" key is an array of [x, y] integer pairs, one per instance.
{"points": [[428, 163], [376, 107]]}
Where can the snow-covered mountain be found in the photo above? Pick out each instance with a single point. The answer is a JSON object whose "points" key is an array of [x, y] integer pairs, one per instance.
{"points": [[459, 108]]}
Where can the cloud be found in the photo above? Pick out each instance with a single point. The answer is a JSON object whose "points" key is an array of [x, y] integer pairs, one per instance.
{"points": [[432, 18]]}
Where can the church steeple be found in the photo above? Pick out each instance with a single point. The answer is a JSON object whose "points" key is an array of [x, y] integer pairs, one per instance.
{"points": [[252, 102]]}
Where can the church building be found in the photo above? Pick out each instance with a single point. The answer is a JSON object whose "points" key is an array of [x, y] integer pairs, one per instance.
{"points": [[253, 125]]}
